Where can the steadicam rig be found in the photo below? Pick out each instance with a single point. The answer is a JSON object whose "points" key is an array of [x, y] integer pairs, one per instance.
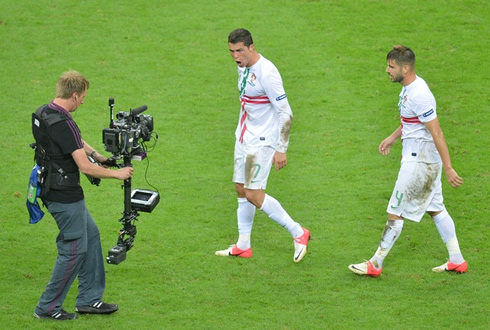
{"points": [[125, 139]]}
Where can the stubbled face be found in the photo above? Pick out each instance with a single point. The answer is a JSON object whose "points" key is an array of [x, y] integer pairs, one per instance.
{"points": [[395, 71], [241, 54]]}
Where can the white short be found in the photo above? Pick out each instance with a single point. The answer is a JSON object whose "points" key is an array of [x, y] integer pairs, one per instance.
{"points": [[252, 165], [418, 189]]}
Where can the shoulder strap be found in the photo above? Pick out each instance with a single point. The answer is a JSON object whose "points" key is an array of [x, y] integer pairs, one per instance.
{"points": [[50, 118]]}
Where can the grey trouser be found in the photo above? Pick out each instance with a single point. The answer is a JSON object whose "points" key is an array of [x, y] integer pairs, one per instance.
{"points": [[79, 254]]}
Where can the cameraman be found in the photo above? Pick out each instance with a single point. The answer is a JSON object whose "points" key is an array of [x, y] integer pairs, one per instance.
{"points": [[59, 146]]}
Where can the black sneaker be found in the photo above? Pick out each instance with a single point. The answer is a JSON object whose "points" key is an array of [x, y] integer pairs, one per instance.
{"points": [[97, 308], [62, 315]]}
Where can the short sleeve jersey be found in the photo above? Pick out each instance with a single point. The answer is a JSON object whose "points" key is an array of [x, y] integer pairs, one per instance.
{"points": [[66, 138], [417, 106], [264, 106]]}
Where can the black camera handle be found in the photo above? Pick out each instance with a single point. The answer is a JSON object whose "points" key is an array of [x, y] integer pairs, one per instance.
{"points": [[111, 106]]}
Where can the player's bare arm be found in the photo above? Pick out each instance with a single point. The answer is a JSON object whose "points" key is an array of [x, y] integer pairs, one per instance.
{"points": [[435, 130], [385, 145]]}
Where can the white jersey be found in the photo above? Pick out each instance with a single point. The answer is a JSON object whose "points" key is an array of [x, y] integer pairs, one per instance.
{"points": [[265, 111], [417, 106]]}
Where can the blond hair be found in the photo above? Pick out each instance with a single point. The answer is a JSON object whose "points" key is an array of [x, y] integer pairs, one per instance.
{"points": [[71, 82]]}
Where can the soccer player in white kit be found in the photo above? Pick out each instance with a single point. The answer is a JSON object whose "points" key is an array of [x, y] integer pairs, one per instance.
{"points": [[262, 139], [424, 153]]}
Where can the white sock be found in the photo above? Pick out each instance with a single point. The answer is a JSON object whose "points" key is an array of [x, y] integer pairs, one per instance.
{"points": [[392, 231], [245, 217], [276, 212], [445, 225]]}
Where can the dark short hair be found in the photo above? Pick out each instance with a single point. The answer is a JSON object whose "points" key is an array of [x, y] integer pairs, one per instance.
{"points": [[240, 35], [402, 55]]}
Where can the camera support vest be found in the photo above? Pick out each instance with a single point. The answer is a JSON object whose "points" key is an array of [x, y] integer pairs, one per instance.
{"points": [[46, 154]]}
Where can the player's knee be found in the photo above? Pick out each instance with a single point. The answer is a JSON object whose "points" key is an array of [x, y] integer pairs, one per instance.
{"points": [[392, 217], [249, 194], [240, 190], [433, 213], [438, 215], [255, 197]]}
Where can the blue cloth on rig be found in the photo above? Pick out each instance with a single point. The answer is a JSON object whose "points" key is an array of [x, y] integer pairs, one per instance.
{"points": [[33, 192]]}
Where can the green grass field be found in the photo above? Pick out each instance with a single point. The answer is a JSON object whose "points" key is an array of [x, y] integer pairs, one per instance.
{"points": [[173, 56]]}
